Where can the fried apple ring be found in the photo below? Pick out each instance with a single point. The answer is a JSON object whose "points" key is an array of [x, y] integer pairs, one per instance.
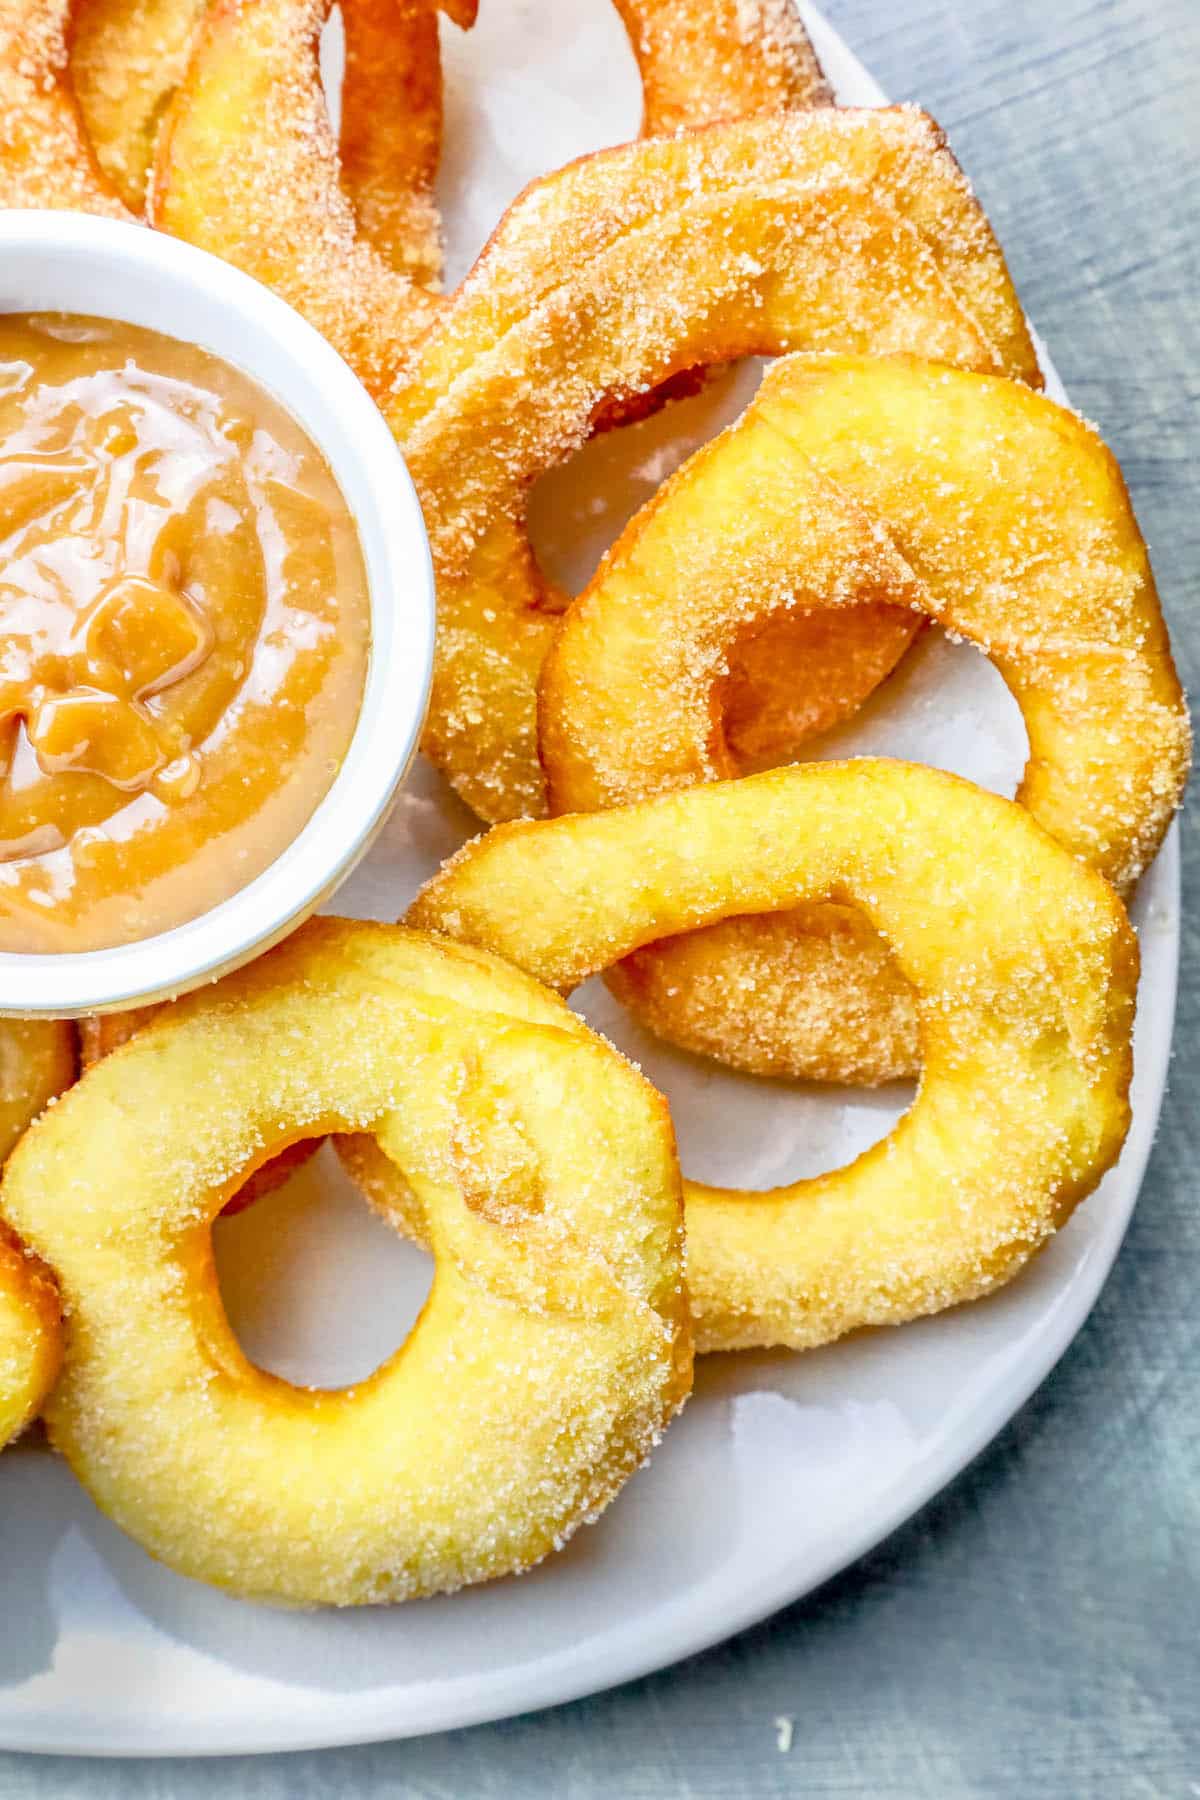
{"points": [[1023, 963], [1019, 537], [128, 57], [45, 157], [247, 167], [553, 1349], [37, 1061], [723, 60], [827, 228], [30, 1336]]}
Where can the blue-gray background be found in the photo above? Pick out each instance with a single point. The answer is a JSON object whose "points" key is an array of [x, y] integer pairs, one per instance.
{"points": [[1036, 1631]]}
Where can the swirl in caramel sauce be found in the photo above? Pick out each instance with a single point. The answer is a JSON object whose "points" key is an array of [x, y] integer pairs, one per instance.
{"points": [[184, 631]]}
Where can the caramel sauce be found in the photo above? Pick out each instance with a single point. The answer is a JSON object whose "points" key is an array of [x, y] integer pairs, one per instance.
{"points": [[184, 631]]}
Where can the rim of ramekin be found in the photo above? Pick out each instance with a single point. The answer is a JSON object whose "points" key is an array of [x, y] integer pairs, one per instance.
{"points": [[72, 262]]}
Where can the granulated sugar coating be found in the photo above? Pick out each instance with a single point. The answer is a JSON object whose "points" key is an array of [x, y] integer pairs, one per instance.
{"points": [[248, 165], [827, 229], [973, 500], [30, 1336], [105, 1032], [45, 159], [127, 61], [1024, 968], [37, 1061], [722, 60], [554, 1347]]}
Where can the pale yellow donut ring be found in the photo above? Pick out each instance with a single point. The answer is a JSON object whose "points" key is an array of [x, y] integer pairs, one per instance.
{"points": [[552, 1351], [1023, 962]]}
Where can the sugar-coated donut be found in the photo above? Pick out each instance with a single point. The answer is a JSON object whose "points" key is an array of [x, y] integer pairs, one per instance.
{"points": [[830, 228], [974, 501], [247, 165], [552, 1351], [37, 1061], [1024, 967]]}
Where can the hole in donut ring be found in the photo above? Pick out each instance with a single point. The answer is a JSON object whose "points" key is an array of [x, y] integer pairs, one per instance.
{"points": [[785, 1130], [521, 98], [316, 1287], [580, 506], [332, 61]]}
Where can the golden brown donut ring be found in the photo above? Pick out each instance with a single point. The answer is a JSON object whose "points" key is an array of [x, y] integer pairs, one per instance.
{"points": [[724, 59], [853, 229], [1025, 968], [45, 158], [1019, 537], [554, 1347], [127, 58], [37, 1061], [247, 167], [30, 1336]]}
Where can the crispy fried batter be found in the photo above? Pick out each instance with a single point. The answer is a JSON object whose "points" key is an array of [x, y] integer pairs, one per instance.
{"points": [[45, 157], [247, 165], [1024, 967], [852, 229], [128, 57], [105, 1032], [1019, 537], [721, 60], [30, 1336]]}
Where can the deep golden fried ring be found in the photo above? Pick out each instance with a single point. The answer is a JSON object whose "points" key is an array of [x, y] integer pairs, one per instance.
{"points": [[247, 167], [552, 1351], [391, 126], [1020, 538], [1025, 969], [30, 1336], [45, 157], [722, 60], [37, 1061], [127, 58], [839, 228]]}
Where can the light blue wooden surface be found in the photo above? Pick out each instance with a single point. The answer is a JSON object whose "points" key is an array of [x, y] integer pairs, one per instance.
{"points": [[1037, 1630]]}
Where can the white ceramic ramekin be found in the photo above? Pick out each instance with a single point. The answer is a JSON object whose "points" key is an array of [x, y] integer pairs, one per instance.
{"points": [[58, 261]]}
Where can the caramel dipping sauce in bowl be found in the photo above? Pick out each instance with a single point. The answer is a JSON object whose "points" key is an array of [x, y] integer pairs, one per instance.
{"points": [[216, 617]]}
